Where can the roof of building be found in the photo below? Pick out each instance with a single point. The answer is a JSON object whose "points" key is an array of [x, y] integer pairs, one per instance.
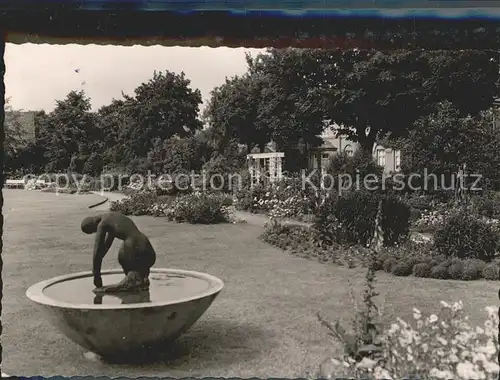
{"points": [[326, 145]]}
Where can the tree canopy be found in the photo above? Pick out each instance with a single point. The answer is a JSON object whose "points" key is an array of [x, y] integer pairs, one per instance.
{"points": [[287, 96], [375, 94], [444, 141]]}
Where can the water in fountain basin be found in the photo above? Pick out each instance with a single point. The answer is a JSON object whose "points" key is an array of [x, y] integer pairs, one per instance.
{"points": [[164, 287]]}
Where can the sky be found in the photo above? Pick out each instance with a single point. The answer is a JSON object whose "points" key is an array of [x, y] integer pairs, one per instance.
{"points": [[37, 75]]}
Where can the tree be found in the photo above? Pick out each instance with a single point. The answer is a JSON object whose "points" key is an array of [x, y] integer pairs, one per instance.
{"points": [[15, 138], [115, 123], [444, 141], [71, 132], [163, 107], [289, 106], [177, 155], [219, 169], [374, 94], [233, 112]]}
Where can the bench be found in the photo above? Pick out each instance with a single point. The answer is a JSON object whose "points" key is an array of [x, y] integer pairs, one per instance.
{"points": [[15, 183]]}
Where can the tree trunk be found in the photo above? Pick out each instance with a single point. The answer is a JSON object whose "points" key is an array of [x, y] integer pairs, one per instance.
{"points": [[366, 142]]}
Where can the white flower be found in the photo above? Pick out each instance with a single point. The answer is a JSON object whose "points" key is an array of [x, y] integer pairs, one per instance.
{"points": [[489, 349], [445, 304], [416, 313], [433, 318], [402, 323], [366, 363], [488, 324], [443, 341], [394, 328], [492, 311], [434, 372], [457, 306], [491, 367], [381, 374], [466, 370]]}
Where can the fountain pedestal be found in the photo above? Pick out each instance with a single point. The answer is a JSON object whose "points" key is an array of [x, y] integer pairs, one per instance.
{"points": [[119, 325]]}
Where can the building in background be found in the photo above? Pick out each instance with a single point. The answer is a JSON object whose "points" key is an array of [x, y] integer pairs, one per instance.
{"points": [[320, 157]]}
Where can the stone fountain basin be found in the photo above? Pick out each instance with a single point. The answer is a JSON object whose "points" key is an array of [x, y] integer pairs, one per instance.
{"points": [[117, 330]]}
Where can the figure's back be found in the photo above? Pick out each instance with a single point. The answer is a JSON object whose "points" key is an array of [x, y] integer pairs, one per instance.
{"points": [[122, 226]]}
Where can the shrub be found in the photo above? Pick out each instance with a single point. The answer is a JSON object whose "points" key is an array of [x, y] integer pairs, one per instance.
{"points": [[198, 208], [436, 260], [456, 269], [422, 270], [113, 181], [487, 204], [473, 269], [326, 223], [219, 172], [466, 236], [403, 268], [288, 236], [282, 199], [356, 212], [351, 218], [247, 199], [94, 184], [359, 163], [389, 263], [395, 220], [419, 202], [379, 262], [490, 272], [440, 271], [139, 203]]}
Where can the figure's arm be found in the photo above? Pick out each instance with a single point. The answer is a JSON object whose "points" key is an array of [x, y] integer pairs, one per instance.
{"points": [[108, 242], [99, 252]]}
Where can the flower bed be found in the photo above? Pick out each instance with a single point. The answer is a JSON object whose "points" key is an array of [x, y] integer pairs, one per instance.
{"points": [[306, 242], [430, 220], [285, 199], [421, 260], [194, 208], [410, 258], [441, 346]]}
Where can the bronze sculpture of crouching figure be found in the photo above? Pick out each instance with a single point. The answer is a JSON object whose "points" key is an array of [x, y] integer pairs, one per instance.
{"points": [[136, 255]]}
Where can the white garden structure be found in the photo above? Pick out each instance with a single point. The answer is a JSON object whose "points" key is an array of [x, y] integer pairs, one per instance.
{"points": [[265, 167]]}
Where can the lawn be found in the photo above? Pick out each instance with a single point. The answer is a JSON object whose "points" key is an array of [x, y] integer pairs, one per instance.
{"points": [[262, 324]]}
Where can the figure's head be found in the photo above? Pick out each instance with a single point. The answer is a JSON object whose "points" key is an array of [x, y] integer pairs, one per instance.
{"points": [[89, 225]]}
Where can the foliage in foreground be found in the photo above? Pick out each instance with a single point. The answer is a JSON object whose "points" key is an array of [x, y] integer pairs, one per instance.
{"points": [[439, 346]]}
